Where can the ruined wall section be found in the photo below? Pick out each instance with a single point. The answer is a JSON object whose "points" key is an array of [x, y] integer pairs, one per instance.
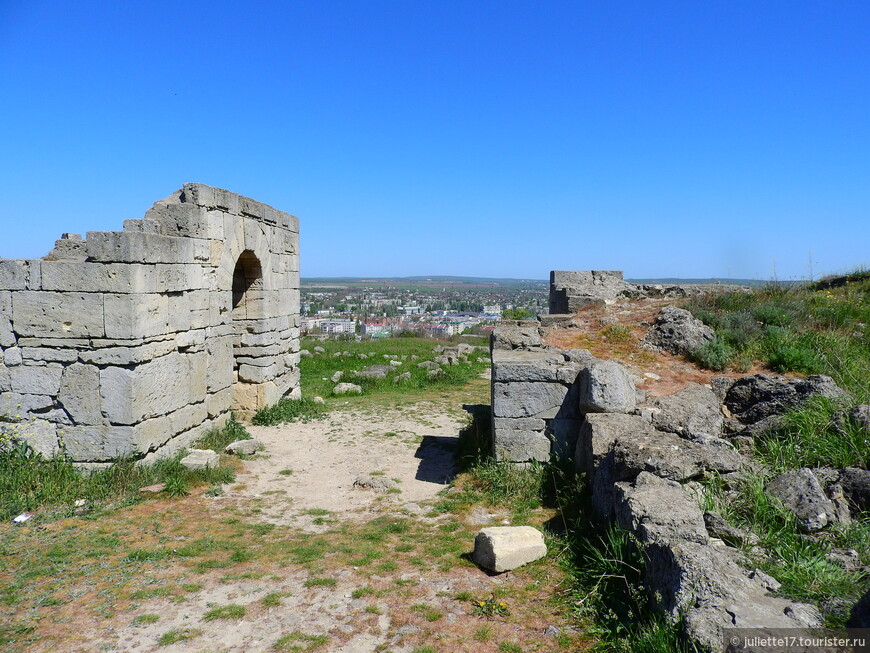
{"points": [[131, 342]]}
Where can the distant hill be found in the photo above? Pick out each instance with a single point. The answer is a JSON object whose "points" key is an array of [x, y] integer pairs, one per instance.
{"points": [[712, 280]]}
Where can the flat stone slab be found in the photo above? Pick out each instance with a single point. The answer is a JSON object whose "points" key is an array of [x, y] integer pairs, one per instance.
{"points": [[502, 548], [198, 459]]}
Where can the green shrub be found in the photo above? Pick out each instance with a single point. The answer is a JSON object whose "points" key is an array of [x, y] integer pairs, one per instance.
{"points": [[713, 354]]}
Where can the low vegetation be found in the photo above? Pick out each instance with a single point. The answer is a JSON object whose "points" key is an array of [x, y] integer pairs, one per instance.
{"points": [[29, 481]]}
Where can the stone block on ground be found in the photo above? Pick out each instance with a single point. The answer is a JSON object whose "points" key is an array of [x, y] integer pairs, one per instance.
{"points": [[693, 410], [502, 548], [677, 331], [199, 459], [244, 447]]}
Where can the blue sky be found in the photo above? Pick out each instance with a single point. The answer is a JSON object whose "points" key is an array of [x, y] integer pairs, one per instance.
{"points": [[687, 139]]}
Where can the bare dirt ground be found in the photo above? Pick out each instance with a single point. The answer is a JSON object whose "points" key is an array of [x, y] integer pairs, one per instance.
{"points": [[410, 596]]}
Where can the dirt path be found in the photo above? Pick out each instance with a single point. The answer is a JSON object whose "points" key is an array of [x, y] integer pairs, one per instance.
{"points": [[415, 593]]}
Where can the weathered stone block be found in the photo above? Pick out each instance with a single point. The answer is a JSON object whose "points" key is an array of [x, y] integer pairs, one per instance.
{"points": [[155, 388], [502, 548], [136, 316], [543, 400], [520, 446], [605, 387], [199, 459], [97, 443], [533, 366], [76, 276], [598, 432], [36, 379], [55, 314], [80, 394]]}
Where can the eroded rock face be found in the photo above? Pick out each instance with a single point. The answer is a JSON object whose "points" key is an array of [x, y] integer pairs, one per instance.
{"points": [[676, 330], [856, 487]]}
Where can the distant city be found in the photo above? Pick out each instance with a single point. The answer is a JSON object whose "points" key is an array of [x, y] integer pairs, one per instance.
{"points": [[437, 307]]}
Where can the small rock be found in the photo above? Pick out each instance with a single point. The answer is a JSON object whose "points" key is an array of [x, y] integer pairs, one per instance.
{"points": [[305, 353], [337, 376], [198, 459], [153, 489], [801, 492], [401, 377], [318, 400], [244, 447], [319, 349], [848, 559]]}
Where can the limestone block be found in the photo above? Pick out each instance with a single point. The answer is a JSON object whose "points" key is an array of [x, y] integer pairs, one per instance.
{"points": [[256, 374], [199, 459], [226, 200], [259, 339], [219, 402], [511, 445], [605, 387], [80, 394], [130, 355], [150, 389], [520, 365], [220, 363], [58, 314], [136, 316], [74, 250], [39, 434], [79, 276], [251, 208], [190, 339], [13, 357], [520, 423], [544, 400], [143, 224], [56, 343], [5, 381], [19, 274], [658, 510], [36, 379], [197, 381], [97, 443], [150, 434], [188, 417], [248, 396], [502, 548], [18, 405], [133, 247], [179, 219], [7, 335], [178, 278], [49, 355]]}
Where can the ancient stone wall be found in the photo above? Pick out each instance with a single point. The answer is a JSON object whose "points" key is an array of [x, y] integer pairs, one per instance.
{"points": [[133, 342]]}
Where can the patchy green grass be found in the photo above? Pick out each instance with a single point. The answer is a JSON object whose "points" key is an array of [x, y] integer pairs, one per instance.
{"points": [[229, 611], [30, 482]]}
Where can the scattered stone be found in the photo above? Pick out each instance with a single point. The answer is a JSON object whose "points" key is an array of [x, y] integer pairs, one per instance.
{"points": [[676, 330], [801, 493], [502, 548], [375, 483], [244, 447], [318, 400], [319, 350], [404, 376], [861, 415], [396, 363], [428, 365], [434, 374], [199, 459], [347, 389], [335, 378], [516, 337], [304, 353], [157, 488]]}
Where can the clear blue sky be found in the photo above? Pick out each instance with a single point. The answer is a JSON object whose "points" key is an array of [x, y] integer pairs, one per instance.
{"points": [[501, 138]]}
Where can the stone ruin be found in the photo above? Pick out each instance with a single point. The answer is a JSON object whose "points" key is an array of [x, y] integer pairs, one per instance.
{"points": [[571, 290], [642, 457], [136, 342]]}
